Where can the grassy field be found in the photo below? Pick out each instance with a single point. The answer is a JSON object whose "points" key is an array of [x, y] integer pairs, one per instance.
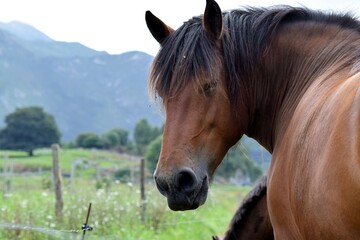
{"points": [[115, 211], [43, 159]]}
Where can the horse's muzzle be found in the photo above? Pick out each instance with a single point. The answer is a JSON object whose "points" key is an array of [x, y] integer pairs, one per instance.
{"points": [[184, 190]]}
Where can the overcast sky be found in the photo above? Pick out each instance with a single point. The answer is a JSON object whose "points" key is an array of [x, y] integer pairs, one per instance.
{"points": [[117, 26]]}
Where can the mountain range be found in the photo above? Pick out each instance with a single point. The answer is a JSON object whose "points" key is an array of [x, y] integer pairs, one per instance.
{"points": [[85, 90]]}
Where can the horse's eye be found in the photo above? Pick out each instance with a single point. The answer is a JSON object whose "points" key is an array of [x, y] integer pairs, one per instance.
{"points": [[209, 87]]}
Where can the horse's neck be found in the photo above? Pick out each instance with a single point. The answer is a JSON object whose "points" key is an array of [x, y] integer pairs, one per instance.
{"points": [[300, 55]]}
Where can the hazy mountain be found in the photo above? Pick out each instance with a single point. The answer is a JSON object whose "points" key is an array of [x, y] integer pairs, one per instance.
{"points": [[84, 89], [24, 31]]}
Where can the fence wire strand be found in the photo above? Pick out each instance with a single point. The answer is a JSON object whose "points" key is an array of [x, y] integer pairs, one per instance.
{"points": [[40, 229]]}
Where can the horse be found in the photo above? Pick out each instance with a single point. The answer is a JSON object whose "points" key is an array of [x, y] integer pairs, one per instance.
{"points": [[251, 220], [285, 76]]}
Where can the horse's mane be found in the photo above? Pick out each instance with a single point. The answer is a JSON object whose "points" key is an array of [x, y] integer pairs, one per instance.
{"points": [[188, 52], [248, 203]]}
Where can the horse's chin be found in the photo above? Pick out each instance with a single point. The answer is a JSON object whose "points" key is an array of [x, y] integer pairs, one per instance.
{"points": [[181, 201]]}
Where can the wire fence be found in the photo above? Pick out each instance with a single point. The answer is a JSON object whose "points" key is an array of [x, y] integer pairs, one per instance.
{"points": [[53, 232], [75, 233]]}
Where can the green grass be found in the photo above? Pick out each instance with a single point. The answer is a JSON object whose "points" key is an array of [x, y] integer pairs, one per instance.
{"points": [[115, 211], [42, 159], [116, 214]]}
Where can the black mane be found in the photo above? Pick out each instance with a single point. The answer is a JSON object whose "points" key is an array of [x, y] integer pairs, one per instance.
{"points": [[189, 52], [183, 54]]}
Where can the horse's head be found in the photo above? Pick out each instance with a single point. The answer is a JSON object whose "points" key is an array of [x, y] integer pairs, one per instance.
{"points": [[188, 75]]}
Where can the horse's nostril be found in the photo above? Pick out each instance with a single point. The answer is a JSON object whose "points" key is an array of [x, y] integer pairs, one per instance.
{"points": [[186, 180]]}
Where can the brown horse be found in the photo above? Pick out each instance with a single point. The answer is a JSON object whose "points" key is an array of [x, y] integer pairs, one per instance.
{"points": [[287, 77], [251, 221]]}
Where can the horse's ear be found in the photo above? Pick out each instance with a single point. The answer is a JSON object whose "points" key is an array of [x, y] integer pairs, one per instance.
{"points": [[158, 29], [212, 21]]}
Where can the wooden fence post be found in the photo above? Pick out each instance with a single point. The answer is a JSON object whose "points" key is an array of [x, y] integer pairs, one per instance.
{"points": [[58, 182], [5, 167], [142, 189], [10, 174]]}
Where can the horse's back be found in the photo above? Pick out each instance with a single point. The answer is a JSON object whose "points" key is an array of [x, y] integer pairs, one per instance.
{"points": [[318, 164]]}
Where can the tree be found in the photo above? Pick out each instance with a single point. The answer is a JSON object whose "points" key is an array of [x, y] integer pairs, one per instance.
{"points": [[29, 128], [144, 134], [89, 140], [153, 152], [116, 137]]}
